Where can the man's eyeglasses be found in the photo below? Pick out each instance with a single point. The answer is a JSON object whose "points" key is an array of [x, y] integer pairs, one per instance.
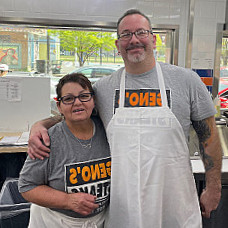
{"points": [[140, 34], [70, 99]]}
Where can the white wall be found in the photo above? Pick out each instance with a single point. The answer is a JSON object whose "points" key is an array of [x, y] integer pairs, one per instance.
{"points": [[171, 12]]}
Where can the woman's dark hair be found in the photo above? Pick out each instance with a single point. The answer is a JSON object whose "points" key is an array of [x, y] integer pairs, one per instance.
{"points": [[79, 78]]}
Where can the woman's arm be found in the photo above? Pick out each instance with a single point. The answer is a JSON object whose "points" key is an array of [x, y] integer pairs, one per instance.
{"points": [[46, 196], [211, 155]]}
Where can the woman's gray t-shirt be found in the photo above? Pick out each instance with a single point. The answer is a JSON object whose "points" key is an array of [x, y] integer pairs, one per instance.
{"points": [[71, 168]]}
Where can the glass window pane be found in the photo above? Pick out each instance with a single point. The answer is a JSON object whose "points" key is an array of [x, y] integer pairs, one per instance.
{"points": [[163, 46], [223, 82], [40, 51], [86, 72]]}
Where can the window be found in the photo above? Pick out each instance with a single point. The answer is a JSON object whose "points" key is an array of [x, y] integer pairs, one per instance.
{"points": [[102, 72], [42, 51], [87, 72], [223, 82]]}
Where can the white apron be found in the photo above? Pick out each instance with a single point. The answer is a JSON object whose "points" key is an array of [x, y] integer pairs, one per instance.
{"points": [[42, 217], [152, 185]]}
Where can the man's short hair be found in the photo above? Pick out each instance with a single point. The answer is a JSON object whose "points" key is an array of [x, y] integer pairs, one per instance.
{"points": [[131, 12]]}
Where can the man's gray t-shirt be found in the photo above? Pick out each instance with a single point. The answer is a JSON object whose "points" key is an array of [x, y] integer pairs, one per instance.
{"points": [[188, 97], [71, 168]]}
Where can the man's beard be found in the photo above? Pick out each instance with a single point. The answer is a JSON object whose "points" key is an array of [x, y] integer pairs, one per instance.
{"points": [[136, 58]]}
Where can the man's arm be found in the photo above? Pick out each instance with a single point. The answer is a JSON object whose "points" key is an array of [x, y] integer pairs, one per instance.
{"points": [[211, 155], [39, 140]]}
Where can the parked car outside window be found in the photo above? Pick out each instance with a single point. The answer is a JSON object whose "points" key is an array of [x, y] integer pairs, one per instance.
{"points": [[95, 72]]}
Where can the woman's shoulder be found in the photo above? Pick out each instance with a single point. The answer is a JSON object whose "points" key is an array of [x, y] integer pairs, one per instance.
{"points": [[55, 130]]}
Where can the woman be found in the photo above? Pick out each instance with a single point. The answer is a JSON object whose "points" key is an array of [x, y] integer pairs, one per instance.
{"points": [[71, 187]]}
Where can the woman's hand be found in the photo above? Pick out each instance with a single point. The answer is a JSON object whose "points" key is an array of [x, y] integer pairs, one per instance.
{"points": [[45, 196], [82, 203]]}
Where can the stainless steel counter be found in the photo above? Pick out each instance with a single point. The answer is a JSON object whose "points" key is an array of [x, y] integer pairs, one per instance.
{"points": [[198, 167]]}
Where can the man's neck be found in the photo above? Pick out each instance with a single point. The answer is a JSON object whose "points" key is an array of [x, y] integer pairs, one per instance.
{"points": [[140, 68]]}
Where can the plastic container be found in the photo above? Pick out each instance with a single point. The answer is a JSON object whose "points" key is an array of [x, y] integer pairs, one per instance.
{"points": [[14, 209]]}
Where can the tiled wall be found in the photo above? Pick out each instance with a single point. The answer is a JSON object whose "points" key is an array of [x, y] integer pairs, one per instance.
{"points": [[168, 12]]}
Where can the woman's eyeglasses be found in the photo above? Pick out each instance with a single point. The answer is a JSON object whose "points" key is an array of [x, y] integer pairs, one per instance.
{"points": [[70, 99]]}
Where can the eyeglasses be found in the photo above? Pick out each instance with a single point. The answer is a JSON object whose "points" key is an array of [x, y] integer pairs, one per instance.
{"points": [[140, 34], [70, 99]]}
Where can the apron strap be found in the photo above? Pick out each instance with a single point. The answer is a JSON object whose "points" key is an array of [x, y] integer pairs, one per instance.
{"points": [[122, 89], [160, 83]]}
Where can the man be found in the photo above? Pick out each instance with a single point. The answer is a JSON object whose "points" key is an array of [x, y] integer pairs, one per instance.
{"points": [[4, 69], [147, 125]]}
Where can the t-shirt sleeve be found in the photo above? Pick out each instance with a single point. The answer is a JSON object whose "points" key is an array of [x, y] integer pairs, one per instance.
{"points": [[95, 85], [33, 174], [201, 101]]}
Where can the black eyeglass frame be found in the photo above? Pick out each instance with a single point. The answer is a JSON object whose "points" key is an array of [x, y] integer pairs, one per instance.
{"points": [[135, 33], [75, 97]]}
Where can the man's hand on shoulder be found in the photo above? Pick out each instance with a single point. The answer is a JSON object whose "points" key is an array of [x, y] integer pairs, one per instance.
{"points": [[38, 138]]}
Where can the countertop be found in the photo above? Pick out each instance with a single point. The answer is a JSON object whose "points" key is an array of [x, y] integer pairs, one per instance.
{"points": [[198, 167]]}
